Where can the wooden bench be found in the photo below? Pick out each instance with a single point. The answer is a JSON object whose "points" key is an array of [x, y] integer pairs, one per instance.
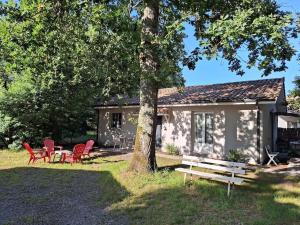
{"points": [[231, 168]]}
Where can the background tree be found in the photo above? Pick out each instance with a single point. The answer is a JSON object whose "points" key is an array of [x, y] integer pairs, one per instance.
{"points": [[57, 58], [223, 28], [293, 98]]}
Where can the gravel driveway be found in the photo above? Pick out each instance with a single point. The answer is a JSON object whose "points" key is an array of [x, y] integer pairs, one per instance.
{"points": [[54, 197]]}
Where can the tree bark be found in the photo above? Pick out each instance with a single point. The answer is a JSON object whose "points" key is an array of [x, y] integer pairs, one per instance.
{"points": [[144, 159]]}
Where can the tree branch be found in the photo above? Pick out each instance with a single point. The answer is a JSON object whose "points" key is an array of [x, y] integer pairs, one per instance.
{"points": [[131, 5]]}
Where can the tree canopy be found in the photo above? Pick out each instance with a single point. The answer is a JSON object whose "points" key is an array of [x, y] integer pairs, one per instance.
{"points": [[294, 96], [57, 58], [259, 28]]}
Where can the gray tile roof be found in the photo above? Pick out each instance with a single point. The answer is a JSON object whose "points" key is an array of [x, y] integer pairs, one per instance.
{"points": [[260, 90]]}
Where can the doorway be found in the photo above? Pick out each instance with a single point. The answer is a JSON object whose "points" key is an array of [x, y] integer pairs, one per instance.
{"points": [[158, 141]]}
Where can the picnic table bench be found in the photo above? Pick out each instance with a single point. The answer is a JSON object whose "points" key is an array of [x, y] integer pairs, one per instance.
{"points": [[227, 167]]}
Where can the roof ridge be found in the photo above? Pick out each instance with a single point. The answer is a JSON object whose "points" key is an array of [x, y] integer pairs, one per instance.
{"points": [[262, 90], [227, 83]]}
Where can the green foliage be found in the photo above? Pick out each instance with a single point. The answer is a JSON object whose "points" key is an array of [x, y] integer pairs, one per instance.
{"points": [[236, 156], [258, 29], [5, 123], [8, 126], [172, 149], [293, 98], [56, 59]]}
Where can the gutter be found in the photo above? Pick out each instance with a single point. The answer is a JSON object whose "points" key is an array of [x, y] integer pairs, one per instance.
{"points": [[247, 102]]}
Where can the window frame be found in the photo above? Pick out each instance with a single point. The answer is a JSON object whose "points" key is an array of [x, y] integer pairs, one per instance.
{"points": [[205, 134], [116, 120]]}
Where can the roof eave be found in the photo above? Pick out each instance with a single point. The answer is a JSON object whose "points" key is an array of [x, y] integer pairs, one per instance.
{"points": [[253, 102]]}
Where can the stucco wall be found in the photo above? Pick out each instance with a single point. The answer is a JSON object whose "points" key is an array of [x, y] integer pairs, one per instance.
{"points": [[267, 127], [235, 127], [107, 134], [176, 129]]}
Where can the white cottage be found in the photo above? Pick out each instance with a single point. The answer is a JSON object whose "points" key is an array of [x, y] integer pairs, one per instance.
{"points": [[205, 119]]}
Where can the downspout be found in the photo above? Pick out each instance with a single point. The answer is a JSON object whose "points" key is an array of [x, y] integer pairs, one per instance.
{"points": [[272, 128], [258, 132]]}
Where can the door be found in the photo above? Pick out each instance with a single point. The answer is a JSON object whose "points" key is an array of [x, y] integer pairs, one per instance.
{"points": [[158, 131], [203, 130]]}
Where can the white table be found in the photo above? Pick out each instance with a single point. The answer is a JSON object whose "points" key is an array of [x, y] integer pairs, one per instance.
{"points": [[61, 153]]}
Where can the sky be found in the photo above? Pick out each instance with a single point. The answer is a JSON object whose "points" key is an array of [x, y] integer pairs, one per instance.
{"points": [[216, 71]]}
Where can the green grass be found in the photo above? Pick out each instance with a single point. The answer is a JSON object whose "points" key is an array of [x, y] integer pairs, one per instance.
{"points": [[104, 183]]}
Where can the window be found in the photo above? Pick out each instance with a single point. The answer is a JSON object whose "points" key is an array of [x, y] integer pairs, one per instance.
{"points": [[204, 128], [116, 121]]}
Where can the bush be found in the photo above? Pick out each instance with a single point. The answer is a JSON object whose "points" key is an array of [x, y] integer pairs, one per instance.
{"points": [[172, 149], [235, 156]]}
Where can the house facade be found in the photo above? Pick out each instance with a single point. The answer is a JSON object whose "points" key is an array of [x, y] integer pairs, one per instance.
{"points": [[205, 120]]}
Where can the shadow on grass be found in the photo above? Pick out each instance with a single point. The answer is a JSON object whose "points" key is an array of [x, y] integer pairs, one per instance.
{"points": [[172, 167], [69, 196], [206, 202], [58, 196], [89, 162], [102, 154]]}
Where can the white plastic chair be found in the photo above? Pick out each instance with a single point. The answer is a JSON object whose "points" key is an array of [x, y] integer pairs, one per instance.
{"points": [[120, 141], [116, 141], [130, 143], [271, 155]]}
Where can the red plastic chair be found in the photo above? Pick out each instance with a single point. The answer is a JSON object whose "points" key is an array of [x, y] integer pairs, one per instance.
{"points": [[88, 147], [76, 155], [50, 148], [35, 155]]}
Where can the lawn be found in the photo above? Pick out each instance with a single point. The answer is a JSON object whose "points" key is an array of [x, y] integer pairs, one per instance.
{"points": [[100, 191]]}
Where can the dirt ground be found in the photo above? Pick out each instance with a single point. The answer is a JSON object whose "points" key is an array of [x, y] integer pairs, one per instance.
{"points": [[48, 196]]}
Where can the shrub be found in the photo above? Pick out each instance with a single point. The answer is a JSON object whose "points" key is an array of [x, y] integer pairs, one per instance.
{"points": [[236, 156], [172, 149]]}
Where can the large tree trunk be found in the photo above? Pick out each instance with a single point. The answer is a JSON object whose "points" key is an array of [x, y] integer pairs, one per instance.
{"points": [[144, 150]]}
